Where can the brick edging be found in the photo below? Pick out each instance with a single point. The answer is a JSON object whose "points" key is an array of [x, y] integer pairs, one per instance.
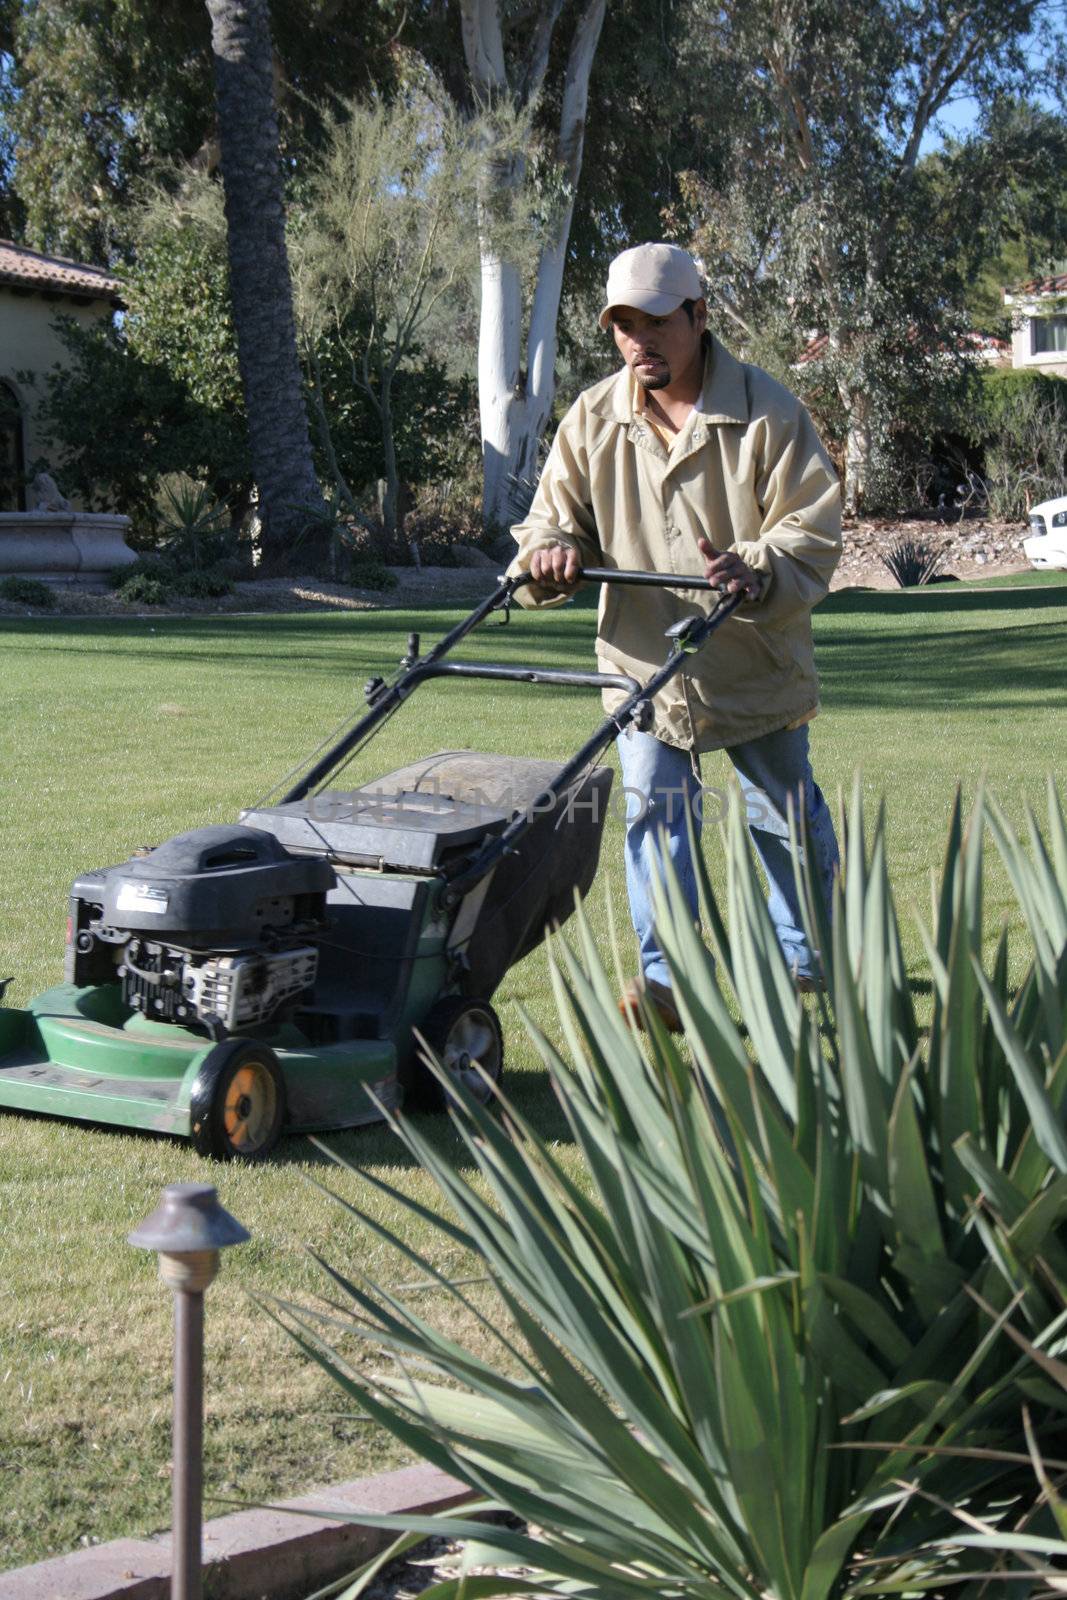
{"points": [[248, 1555]]}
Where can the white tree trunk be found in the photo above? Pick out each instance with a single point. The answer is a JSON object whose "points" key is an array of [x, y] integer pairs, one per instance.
{"points": [[544, 317], [857, 457], [500, 399], [514, 408], [858, 437]]}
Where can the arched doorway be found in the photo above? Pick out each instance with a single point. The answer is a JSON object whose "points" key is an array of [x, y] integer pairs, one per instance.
{"points": [[12, 452]]}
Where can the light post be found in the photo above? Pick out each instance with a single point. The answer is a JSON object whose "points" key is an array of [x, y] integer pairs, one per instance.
{"points": [[188, 1229]]}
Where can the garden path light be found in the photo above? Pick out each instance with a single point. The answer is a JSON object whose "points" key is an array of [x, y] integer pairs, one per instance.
{"points": [[188, 1229]]}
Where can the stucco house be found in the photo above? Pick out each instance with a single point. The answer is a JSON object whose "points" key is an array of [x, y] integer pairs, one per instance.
{"points": [[34, 290], [1039, 324]]}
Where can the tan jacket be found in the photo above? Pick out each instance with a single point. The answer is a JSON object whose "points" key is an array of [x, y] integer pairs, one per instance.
{"points": [[749, 473]]}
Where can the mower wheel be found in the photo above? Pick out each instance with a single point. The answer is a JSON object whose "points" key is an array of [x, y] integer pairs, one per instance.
{"points": [[237, 1107], [464, 1035]]}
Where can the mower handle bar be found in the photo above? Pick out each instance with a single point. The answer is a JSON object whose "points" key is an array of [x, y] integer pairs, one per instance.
{"points": [[387, 697], [561, 676], [648, 580], [635, 711]]}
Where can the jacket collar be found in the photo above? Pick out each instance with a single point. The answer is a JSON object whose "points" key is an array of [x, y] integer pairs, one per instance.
{"points": [[724, 397], [725, 394]]}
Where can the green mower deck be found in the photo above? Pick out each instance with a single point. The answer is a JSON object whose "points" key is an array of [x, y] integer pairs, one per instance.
{"points": [[72, 1053]]}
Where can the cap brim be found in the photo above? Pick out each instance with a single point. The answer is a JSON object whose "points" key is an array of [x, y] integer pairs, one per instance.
{"points": [[647, 300]]}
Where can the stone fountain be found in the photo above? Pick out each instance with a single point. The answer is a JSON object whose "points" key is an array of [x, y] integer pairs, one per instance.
{"points": [[59, 545]]}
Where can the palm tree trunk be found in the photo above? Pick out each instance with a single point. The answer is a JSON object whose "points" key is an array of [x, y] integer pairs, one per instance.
{"points": [[290, 499]]}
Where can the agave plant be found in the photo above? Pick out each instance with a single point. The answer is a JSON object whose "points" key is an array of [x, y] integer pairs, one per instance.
{"points": [[913, 562], [758, 1351]]}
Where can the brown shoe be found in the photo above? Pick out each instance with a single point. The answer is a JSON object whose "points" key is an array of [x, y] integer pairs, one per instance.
{"points": [[808, 985], [656, 997]]}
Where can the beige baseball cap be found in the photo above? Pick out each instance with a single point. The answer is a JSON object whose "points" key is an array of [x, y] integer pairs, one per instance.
{"points": [[655, 278]]}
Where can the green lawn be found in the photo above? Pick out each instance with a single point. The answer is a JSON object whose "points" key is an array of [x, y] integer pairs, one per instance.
{"points": [[1027, 578], [119, 734]]}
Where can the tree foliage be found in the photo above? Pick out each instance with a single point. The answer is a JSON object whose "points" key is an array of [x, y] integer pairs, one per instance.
{"points": [[119, 423], [97, 92], [435, 427], [1009, 190], [385, 251], [177, 294], [161, 393], [832, 223], [1019, 419]]}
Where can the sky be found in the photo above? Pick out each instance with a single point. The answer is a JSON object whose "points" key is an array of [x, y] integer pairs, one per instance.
{"points": [[960, 116]]}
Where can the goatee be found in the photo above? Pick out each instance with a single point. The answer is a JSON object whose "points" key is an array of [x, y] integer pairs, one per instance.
{"points": [[654, 380]]}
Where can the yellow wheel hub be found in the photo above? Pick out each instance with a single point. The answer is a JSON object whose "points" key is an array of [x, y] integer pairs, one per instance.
{"points": [[249, 1107]]}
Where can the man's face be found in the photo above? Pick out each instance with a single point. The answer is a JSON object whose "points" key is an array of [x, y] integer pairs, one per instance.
{"points": [[658, 350]]}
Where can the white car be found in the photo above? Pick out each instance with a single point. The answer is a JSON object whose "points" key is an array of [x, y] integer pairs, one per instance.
{"points": [[1047, 544]]}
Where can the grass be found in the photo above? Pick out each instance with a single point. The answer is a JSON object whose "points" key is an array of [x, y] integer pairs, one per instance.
{"points": [[1024, 578], [1028, 578], [115, 734]]}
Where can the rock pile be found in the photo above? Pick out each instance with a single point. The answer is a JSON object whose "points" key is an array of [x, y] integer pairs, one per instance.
{"points": [[974, 548]]}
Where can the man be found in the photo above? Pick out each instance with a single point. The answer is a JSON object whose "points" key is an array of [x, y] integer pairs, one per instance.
{"points": [[690, 461]]}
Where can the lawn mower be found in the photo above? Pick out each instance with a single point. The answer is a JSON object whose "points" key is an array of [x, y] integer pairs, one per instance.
{"points": [[238, 982]]}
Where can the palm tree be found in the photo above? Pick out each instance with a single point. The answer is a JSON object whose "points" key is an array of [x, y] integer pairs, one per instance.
{"points": [[290, 499]]}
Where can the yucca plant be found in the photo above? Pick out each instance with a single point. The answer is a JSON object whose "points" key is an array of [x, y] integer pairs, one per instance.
{"points": [[192, 514], [1025, 1554], [758, 1352]]}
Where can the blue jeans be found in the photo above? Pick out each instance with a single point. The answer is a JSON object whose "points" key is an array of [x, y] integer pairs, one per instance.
{"points": [[661, 786]]}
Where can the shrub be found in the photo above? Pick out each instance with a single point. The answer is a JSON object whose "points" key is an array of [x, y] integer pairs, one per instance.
{"points": [[913, 562], [753, 1340], [443, 517], [1001, 389], [205, 585], [237, 567], [143, 590], [27, 592], [1022, 422], [146, 566], [196, 525], [368, 572], [165, 575]]}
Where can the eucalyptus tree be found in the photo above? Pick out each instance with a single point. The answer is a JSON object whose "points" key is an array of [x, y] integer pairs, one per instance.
{"points": [[290, 499], [507, 64], [834, 223]]}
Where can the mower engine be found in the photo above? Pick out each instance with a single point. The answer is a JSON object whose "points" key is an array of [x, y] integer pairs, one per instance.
{"points": [[215, 928]]}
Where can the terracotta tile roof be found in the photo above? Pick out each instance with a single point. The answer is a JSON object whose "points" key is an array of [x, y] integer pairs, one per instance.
{"points": [[980, 344], [984, 344], [29, 269], [1056, 285], [814, 350]]}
